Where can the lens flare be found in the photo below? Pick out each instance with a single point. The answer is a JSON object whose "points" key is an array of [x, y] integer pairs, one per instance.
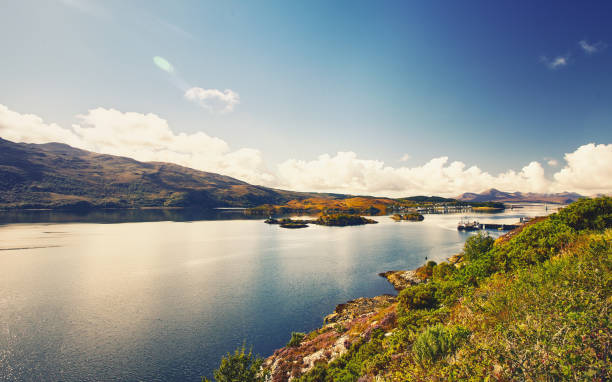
{"points": [[163, 64]]}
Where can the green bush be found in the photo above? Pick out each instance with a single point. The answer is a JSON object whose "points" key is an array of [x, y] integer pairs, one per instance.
{"points": [[477, 245], [239, 366], [316, 374], [595, 214], [296, 339], [438, 341], [535, 244], [443, 271], [421, 296]]}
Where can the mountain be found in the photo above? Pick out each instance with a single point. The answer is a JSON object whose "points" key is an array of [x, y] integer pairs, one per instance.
{"points": [[55, 175], [493, 195]]}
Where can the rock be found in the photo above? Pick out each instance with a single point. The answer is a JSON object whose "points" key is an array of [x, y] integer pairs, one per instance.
{"points": [[358, 307], [350, 322], [401, 279]]}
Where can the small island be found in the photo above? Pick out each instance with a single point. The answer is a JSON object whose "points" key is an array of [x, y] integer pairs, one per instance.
{"points": [[342, 220], [289, 223], [413, 217], [488, 207], [335, 220]]}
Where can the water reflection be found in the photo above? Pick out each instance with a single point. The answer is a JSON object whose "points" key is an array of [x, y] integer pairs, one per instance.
{"points": [[121, 215]]}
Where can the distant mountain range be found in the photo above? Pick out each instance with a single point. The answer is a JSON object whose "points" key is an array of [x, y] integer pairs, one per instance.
{"points": [[493, 195], [55, 175]]}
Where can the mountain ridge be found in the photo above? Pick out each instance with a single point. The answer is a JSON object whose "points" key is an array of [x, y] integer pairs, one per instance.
{"points": [[56, 175], [495, 195]]}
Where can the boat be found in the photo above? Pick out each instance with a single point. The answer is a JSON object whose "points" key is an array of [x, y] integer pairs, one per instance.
{"points": [[465, 225]]}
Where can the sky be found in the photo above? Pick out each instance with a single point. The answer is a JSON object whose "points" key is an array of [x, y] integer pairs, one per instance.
{"points": [[389, 98]]}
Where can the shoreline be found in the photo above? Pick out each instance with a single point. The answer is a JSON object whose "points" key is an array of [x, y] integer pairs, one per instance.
{"points": [[350, 322]]}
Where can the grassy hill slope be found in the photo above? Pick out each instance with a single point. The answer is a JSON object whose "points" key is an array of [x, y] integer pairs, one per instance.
{"points": [[55, 175]]}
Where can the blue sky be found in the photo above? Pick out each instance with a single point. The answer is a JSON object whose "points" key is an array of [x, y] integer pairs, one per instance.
{"points": [[491, 84]]}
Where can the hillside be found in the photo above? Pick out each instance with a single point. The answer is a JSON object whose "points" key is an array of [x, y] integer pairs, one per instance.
{"points": [[533, 305], [56, 175], [493, 195]]}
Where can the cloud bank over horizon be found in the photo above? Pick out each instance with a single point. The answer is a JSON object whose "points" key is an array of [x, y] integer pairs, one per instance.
{"points": [[147, 137]]}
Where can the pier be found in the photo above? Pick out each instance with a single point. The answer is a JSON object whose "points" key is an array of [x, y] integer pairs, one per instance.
{"points": [[503, 227], [474, 226]]}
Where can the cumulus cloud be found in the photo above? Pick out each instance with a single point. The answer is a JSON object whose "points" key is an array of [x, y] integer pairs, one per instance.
{"points": [[345, 171], [590, 48], [553, 162], [556, 62], [213, 99], [145, 137], [588, 170], [30, 128]]}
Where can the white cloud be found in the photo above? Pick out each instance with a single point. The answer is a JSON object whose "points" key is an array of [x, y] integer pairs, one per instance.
{"points": [[405, 158], [147, 137], [213, 99], [345, 172], [553, 162], [591, 48], [30, 128], [588, 170], [144, 137], [555, 63]]}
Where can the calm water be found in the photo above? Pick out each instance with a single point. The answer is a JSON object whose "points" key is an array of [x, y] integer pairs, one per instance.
{"points": [[164, 300]]}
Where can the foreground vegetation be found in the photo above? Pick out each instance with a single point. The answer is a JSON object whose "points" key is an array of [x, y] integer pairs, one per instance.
{"points": [[533, 305]]}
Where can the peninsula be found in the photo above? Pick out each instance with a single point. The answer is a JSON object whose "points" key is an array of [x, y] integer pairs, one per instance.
{"points": [[473, 315]]}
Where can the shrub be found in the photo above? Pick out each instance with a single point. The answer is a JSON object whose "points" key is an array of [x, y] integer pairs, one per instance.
{"points": [[438, 341], [240, 366], [421, 296], [595, 214], [296, 339], [443, 271], [477, 245], [425, 271], [535, 244]]}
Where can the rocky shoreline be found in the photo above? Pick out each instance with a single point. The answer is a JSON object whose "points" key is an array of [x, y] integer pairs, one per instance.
{"points": [[351, 321], [402, 279]]}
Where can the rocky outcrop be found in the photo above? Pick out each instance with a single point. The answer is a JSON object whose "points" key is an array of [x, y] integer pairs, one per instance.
{"points": [[350, 322], [402, 279], [358, 307]]}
